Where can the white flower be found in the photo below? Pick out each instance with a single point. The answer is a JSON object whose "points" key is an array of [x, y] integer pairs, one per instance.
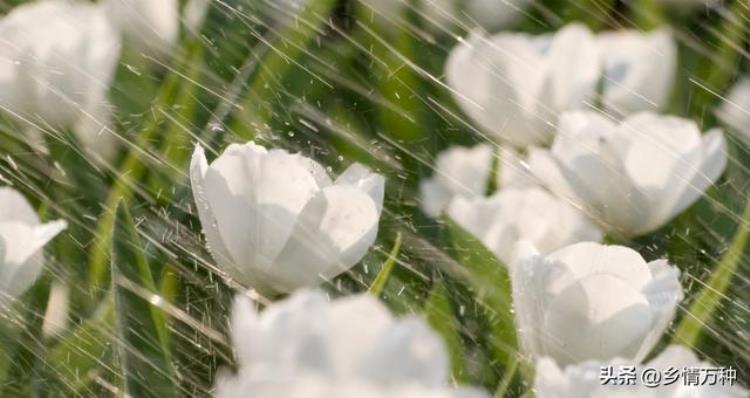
{"points": [[639, 70], [583, 380], [591, 301], [22, 237], [515, 85], [530, 214], [734, 112], [462, 171], [150, 26], [57, 60], [308, 347], [635, 176], [276, 222]]}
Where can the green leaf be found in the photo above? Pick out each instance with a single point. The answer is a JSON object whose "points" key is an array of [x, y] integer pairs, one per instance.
{"points": [[381, 279], [489, 280], [718, 67], [173, 94], [143, 340], [440, 315], [288, 46], [701, 311], [83, 349]]}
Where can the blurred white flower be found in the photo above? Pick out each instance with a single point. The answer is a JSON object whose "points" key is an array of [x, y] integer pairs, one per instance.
{"points": [[276, 221], [591, 301], [734, 112], [632, 177], [57, 60], [22, 237], [443, 14], [639, 70], [462, 171], [150, 26], [308, 347], [515, 85], [503, 219], [583, 380]]}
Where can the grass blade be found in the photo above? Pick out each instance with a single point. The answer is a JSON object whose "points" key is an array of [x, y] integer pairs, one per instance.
{"points": [[709, 298], [142, 328]]}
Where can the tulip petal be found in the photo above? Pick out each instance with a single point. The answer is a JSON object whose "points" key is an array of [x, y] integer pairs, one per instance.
{"points": [[574, 64], [22, 259], [333, 232], [362, 178], [14, 207], [545, 168], [589, 258], [639, 70], [198, 168], [269, 189], [434, 197], [712, 166], [588, 320], [408, 352], [664, 294], [354, 324]]}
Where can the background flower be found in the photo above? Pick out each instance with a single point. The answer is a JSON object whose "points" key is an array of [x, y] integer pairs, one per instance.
{"points": [[592, 301], [531, 214], [57, 60], [639, 70], [310, 346], [276, 221], [22, 237], [147, 25], [734, 112], [514, 85], [634, 176], [462, 171]]}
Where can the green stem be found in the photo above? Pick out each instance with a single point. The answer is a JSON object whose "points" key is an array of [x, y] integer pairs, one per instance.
{"points": [[376, 289], [702, 309]]}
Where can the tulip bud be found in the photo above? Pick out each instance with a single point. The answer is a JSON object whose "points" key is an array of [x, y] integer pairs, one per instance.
{"points": [[276, 221], [591, 301], [22, 237]]}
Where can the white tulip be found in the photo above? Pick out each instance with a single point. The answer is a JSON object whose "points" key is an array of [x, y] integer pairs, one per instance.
{"points": [[634, 176], [583, 380], [530, 214], [515, 85], [462, 171], [639, 70], [444, 14], [308, 347], [22, 237], [591, 301], [57, 60], [276, 222], [734, 112], [150, 26]]}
